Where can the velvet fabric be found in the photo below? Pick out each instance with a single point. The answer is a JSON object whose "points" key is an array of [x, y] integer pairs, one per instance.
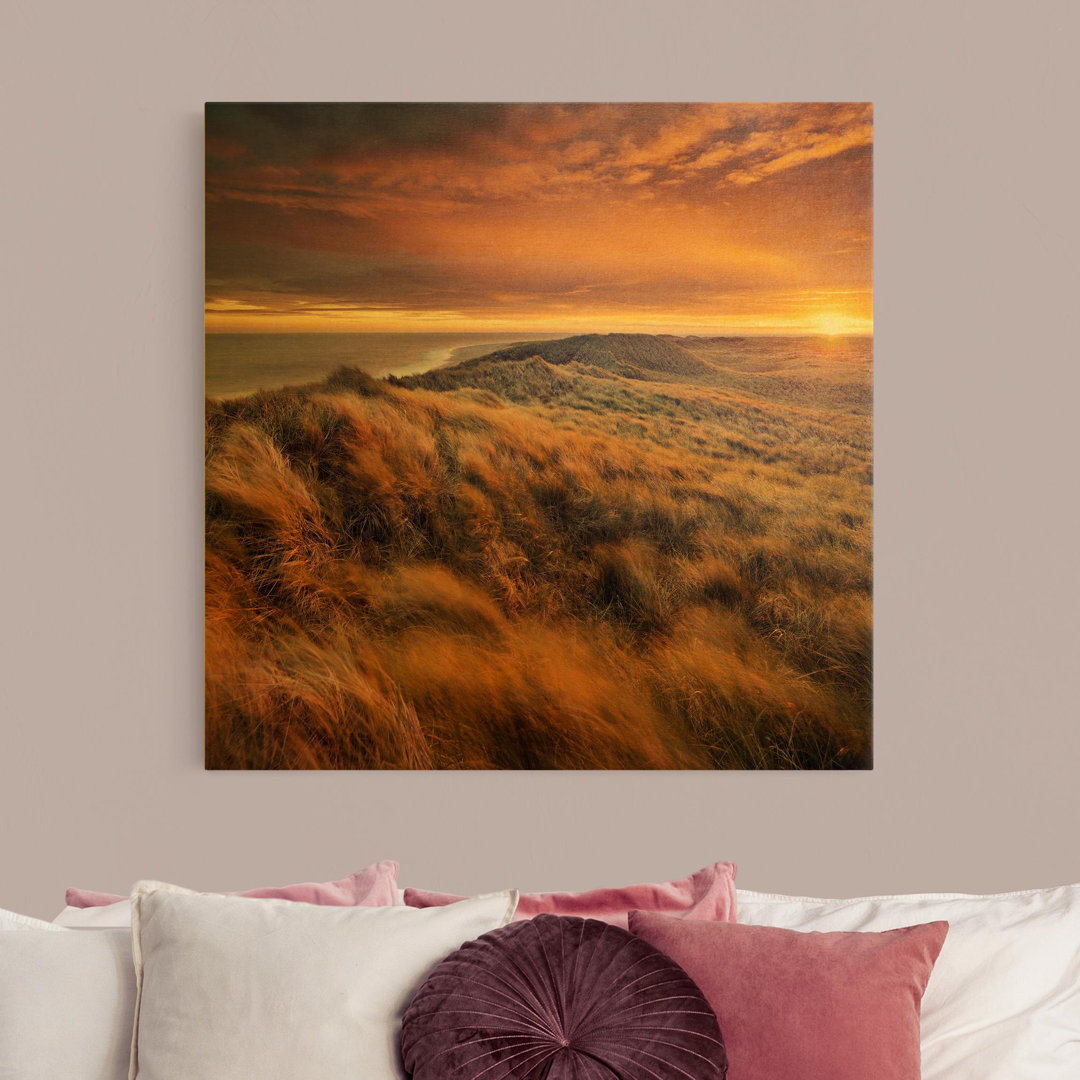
{"points": [[795, 1006], [374, 886], [560, 998], [1004, 1000], [708, 894]]}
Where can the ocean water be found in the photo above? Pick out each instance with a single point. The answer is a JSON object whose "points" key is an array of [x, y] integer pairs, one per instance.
{"points": [[238, 364]]}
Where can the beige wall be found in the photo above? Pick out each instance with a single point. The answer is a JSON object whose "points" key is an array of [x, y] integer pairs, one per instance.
{"points": [[977, 586]]}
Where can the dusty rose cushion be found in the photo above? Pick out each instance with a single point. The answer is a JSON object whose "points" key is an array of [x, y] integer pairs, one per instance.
{"points": [[708, 894], [374, 886], [807, 1006], [560, 999]]}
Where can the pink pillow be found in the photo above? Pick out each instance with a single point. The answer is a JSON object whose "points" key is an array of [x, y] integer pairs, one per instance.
{"points": [[708, 894], [807, 1006], [374, 886]]}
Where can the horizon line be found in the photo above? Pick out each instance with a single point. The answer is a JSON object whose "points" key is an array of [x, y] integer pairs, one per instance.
{"points": [[700, 332]]}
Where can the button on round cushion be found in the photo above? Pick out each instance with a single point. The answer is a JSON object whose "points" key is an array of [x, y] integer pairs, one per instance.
{"points": [[561, 998]]}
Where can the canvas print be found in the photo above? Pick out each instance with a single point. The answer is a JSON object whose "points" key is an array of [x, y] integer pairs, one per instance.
{"points": [[539, 436]]}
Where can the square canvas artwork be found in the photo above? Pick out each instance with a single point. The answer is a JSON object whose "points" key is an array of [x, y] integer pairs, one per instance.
{"points": [[539, 436]]}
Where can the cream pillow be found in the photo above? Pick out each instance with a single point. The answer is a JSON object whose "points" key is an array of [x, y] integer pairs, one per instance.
{"points": [[239, 989], [1003, 1002], [10, 920], [110, 916], [67, 1004]]}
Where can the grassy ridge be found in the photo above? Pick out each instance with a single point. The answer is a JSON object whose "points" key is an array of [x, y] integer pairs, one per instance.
{"points": [[606, 552]]}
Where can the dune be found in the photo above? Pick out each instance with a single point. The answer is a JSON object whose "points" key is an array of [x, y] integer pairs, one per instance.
{"points": [[602, 551]]}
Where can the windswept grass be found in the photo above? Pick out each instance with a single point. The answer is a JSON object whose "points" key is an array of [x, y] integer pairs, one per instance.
{"points": [[620, 552]]}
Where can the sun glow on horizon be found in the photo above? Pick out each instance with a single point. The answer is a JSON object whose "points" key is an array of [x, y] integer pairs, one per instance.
{"points": [[309, 325], [832, 324], [796, 315]]}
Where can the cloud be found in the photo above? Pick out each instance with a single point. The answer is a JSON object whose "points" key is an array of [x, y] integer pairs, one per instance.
{"points": [[364, 162], [329, 208], [792, 149]]}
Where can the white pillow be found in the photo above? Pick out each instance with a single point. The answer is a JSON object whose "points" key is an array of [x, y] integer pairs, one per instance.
{"points": [[67, 1005], [1003, 1002], [97, 918], [237, 989], [9, 920]]}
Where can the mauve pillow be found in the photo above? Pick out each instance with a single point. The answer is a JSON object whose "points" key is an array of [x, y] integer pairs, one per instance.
{"points": [[560, 998], [374, 886], [708, 894], [797, 1006]]}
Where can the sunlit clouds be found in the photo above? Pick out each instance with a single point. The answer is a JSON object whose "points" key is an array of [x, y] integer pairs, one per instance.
{"points": [[727, 218]]}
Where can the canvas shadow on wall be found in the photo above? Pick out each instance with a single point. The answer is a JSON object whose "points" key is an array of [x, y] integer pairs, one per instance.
{"points": [[538, 436]]}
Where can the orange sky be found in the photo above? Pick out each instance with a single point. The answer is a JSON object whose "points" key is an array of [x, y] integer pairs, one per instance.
{"points": [[724, 217]]}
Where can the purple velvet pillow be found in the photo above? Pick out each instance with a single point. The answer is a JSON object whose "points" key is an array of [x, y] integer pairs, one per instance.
{"points": [[560, 998]]}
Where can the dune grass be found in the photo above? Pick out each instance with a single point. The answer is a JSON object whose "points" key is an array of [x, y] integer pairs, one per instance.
{"points": [[622, 552]]}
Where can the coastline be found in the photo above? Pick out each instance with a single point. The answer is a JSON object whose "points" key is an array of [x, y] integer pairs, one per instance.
{"points": [[447, 356], [300, 359]]}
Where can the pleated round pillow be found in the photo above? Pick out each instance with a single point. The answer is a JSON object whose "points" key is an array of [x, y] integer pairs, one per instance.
{"points": [[561, 998]]}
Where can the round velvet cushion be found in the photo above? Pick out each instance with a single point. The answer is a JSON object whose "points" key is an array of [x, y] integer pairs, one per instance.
{"points": [[561, 998]]}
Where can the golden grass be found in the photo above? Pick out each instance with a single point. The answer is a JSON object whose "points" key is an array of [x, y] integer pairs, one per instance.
{"points": [[604, 562]]}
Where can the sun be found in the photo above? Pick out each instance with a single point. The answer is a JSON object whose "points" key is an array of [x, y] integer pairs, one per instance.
{"points": [[833, 325]]}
